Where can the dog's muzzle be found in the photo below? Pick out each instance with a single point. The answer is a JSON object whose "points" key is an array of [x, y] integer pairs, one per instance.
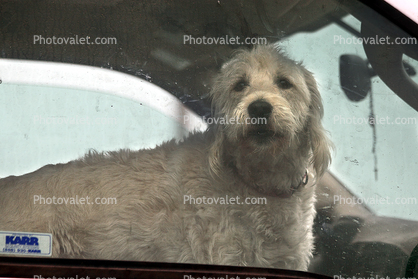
{"points": [[260, 112]]}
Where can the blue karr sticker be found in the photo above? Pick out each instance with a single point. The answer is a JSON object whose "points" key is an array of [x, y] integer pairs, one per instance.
{"points": [[26, 243]]}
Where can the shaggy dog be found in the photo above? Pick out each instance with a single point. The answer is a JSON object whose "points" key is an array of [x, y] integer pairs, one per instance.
{"points": [[266, 132]]}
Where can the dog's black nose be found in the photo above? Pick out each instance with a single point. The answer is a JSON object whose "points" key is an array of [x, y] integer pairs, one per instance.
{"points": [[260, 109]]}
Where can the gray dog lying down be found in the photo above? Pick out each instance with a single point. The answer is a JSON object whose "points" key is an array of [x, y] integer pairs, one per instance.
{"points": [[155, 218]]}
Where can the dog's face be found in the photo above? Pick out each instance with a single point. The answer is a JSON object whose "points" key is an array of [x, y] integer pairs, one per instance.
{"points": [[266, 95], [267, 101]]}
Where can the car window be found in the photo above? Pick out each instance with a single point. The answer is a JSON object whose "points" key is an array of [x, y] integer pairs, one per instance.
{"points": [[368, 158], [47, 121]]}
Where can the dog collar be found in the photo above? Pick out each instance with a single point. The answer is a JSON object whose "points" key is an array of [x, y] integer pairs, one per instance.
{"points": [[293, 189], [287, 194]]}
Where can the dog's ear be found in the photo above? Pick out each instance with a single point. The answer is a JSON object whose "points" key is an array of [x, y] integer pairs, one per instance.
{"points": [[215, 133], [320, 144]]}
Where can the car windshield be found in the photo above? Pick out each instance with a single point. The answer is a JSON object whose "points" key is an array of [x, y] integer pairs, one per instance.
{"points": [[155, 62]]}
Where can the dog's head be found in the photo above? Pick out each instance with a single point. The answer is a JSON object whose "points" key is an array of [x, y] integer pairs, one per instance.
{"points": [[266, 102]]}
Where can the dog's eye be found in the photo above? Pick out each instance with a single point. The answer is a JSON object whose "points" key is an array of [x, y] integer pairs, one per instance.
{"points": [[240, 85], [284, 83]]}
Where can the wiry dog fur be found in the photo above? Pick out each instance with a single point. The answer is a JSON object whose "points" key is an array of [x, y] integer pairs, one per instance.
{"points": [[151, 222]]}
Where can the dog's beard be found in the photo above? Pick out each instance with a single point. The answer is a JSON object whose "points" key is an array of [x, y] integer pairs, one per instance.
{"points": [[273, 135], [263, 163], [265, 135], [259, 152]]}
